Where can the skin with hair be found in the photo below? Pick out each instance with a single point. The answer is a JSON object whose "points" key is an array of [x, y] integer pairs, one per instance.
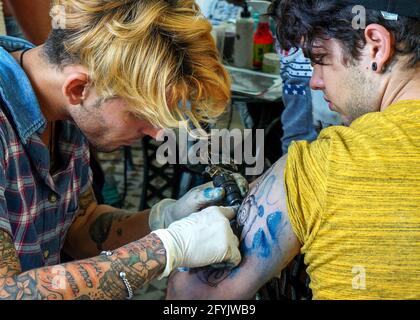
{"points": [[118, 73]]}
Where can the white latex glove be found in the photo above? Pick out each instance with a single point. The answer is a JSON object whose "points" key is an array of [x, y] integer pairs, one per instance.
{"points": [[167, 211], [201, 239]]}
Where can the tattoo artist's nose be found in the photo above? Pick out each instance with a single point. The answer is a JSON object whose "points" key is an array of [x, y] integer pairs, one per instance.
{"points": [[317, 83]]}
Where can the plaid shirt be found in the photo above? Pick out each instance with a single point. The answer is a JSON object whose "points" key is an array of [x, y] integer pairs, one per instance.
{"points": [[36, 208]]}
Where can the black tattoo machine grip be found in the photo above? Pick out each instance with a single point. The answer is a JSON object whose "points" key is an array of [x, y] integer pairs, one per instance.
{"points": [[226, 181]]}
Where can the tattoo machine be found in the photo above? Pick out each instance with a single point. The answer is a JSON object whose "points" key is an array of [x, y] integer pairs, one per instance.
{"points": [[221, 176]]}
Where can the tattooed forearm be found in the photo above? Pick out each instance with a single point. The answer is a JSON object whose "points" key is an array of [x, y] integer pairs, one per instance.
{"points": [[85, 275], [94, 278], [99, 230], [73, 285]]}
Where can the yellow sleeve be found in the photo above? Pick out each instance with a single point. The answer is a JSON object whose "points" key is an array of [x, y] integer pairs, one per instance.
{"points": [[305, 182]]}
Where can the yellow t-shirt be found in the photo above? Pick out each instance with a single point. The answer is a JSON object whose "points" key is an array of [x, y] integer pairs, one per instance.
{"points": [[353, 198]]}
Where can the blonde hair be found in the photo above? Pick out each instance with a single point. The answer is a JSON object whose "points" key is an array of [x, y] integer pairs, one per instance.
{"points": [[158, 55]]}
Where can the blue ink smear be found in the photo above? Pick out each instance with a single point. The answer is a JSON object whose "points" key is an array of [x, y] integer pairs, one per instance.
{"points": [[213, 193], [273, 221], [208, 193], [260, 244], [260, 211]]}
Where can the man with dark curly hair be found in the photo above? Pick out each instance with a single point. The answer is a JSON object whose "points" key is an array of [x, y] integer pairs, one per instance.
{"points": [[350, 200]]}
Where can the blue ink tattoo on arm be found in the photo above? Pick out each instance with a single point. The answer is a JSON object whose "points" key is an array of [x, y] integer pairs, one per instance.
{"points": [[261, 220]]}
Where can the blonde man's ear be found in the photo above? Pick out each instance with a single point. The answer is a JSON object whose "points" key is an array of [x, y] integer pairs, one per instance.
{"points": [[75, 88]]}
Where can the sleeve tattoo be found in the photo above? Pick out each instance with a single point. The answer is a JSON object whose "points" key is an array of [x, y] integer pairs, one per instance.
{"points": [[9, 261]]}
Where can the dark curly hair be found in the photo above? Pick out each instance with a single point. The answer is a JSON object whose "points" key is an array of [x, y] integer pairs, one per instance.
{"points": [[301, 22]]}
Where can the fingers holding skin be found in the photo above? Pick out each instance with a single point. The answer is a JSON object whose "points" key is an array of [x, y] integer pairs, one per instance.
{"points": [[233, 255], [205, 237], [234, 259], [226, 212]]}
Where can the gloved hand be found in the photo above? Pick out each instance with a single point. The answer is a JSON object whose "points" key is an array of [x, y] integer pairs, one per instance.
{"points": [[201, 239], [167, 211]]}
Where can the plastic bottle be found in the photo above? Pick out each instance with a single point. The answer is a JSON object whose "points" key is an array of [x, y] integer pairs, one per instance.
{"points": [[263, 41], [243, 53]]}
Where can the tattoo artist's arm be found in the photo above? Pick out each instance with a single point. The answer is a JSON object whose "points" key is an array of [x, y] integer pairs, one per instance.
{"points": [[101, 227], [268, 244], [94, 278], [33, 18]]}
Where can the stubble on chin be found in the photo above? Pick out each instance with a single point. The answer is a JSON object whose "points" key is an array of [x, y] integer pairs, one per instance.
{"points": [[360, 98]]}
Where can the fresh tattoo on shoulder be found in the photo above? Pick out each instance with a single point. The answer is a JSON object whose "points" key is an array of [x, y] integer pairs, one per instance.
{"points": [[9, 260], [100, 229]]}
